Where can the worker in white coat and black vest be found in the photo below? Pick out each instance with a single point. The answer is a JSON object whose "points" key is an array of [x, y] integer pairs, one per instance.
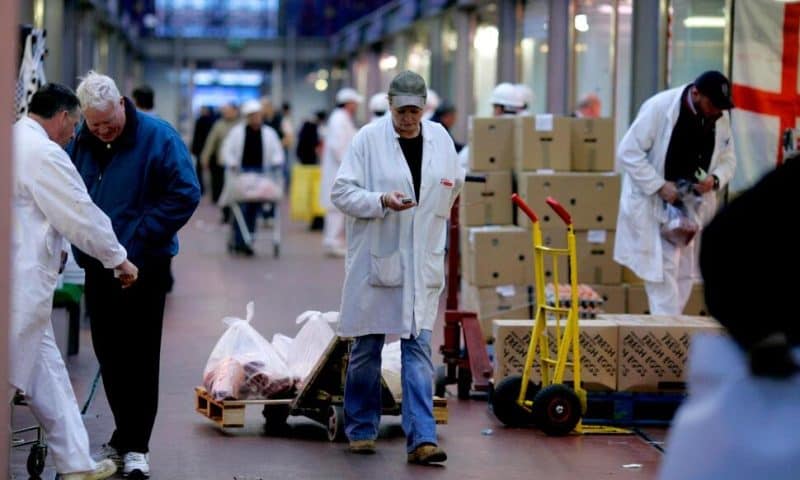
{"points": [[50, 204], [340, 131], [681, 136], [396, 186]]}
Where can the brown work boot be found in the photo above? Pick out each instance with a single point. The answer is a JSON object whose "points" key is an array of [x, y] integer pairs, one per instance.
{"points": [[427, 453], [363, 447]]}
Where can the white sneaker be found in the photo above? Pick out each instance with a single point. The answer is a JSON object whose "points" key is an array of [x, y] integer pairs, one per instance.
{"points": [[110, 453], [137, 465], [104, 469]]}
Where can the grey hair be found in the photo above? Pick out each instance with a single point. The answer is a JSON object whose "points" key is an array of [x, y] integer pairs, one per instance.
{"points": [[97, 91]]}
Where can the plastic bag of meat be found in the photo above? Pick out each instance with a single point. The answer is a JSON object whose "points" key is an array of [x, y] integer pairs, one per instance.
{"points": [[244, 364], [310, 343], [679, 228]]}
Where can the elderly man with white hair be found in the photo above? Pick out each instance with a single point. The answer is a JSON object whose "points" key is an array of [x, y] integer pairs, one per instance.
{"points": [[139, 172], [341, 129]]}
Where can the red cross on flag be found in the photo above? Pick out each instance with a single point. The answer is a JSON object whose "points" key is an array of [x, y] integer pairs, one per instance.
{"points": [[766, 41]]}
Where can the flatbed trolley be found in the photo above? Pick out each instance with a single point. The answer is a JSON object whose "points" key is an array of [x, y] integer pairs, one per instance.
{"points": [[237, 217], [467, 365], [554, 407], [38, 452], [321, 399]]}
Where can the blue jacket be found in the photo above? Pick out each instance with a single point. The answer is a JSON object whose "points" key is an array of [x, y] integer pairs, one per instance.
{"points": [[143, 180]]}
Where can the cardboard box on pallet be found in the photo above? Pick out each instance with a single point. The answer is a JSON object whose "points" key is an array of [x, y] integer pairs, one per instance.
{"points": [[613, 297], [598, 342], [491, 303], [499, 255], [592, 146], [592, 199], [487, 203], [491, 144], [542, 142], [653, 349], [638, 304], [630, 278]]}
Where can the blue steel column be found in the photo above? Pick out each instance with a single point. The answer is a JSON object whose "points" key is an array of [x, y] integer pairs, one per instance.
{"points": [[435, 27], [559, 40], [649, 51], [464, 97], [508, 39]]}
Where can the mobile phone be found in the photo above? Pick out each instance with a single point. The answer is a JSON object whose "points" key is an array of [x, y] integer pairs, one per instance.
{"points": [[407, 201]]}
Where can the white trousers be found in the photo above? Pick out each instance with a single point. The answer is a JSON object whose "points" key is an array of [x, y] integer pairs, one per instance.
{"points": [[54, 405], [669, 297], [333, 236]]}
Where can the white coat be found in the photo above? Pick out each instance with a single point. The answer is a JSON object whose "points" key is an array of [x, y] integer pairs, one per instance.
{"points": [[394, 269], [339, 134], [49, 200], [641, 156], [733, 425], [233, 147]]}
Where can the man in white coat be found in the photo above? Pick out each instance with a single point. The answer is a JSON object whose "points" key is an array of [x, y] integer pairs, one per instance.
{"points": [[50, 204], [681, 135], [340, 132], [396, 186]]}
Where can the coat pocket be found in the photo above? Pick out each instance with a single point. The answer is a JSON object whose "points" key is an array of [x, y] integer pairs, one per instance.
{"points": [[433, 270], [387, 270], [442, 199]]}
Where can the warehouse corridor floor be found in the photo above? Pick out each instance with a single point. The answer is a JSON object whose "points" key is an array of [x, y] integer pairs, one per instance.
{"points": [[210, 285]]}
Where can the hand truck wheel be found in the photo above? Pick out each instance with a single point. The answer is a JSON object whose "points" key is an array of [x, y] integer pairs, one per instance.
{"points": [[504, 401], [464, 383], [336, 423], [36, 460], [275, 417], [557, 410], [440, 381]]}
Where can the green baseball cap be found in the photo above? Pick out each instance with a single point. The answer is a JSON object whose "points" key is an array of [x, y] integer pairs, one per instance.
{"points": [[408, 89]]}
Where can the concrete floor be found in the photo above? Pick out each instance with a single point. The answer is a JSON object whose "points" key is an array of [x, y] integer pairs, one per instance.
{"points": [[211, 285]]}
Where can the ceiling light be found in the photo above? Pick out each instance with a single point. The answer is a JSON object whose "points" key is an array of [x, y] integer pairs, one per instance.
{"points": [[581, 23], [704, 22]]}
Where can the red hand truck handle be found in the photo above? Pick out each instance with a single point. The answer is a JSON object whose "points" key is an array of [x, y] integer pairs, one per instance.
{"points": [[524, 207], [561, 211]]}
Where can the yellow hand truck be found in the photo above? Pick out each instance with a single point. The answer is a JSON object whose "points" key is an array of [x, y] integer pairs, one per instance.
{"points": [[554, 407]]}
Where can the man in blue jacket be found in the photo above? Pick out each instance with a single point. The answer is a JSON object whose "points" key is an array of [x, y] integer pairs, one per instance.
{"points": [[139, 172]]}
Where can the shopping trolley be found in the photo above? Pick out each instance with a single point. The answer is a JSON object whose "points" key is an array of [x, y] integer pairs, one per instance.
{"points": [[38, 452], [264, 187]]}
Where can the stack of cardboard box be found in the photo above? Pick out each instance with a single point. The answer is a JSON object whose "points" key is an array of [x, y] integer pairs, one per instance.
{"points": [[496, 255], [572, 160], [618, 352]]}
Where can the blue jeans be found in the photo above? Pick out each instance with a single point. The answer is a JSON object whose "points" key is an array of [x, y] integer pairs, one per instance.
{"points": [[362, 392]]}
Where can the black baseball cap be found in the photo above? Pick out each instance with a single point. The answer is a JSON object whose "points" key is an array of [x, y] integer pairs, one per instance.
{"points": [[716, 87]]}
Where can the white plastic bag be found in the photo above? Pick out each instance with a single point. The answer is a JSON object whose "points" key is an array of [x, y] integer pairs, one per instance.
{"points": [[310, 343], [244, 365], [282, 344], [391, 367], [679, 228]]}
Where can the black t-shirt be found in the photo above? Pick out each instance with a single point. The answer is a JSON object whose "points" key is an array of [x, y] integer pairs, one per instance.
{"points": [[412, 150], [252, 153], [691, 144]]}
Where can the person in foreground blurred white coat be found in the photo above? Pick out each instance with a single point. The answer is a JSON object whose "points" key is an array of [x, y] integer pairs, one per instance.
{"points": [[50, 204]]}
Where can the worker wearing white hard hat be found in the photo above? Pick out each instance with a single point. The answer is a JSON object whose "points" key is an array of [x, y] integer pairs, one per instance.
{"points": [[341, 129], [506, 99], [378, 105], [526, 95]]}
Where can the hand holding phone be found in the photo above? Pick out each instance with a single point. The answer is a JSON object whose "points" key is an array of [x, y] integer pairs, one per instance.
{"points": [[397, 201]]}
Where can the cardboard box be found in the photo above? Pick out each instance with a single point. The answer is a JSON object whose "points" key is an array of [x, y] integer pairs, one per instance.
{"points": [[638, 304], [555, 237], [629, 277], [653, 350], [598, 343], [499, 256], [491, 303], [592, 144], [491, 144], [487, 203], [595, 255], [592, 199], [614, 297], [542, 142]]}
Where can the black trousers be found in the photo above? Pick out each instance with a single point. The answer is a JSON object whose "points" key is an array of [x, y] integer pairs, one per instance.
{"points": [[126, 327], [217, 173]]}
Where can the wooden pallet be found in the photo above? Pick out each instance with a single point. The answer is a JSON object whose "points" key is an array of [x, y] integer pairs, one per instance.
{"points": [[440, 410], [227, 413]]}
